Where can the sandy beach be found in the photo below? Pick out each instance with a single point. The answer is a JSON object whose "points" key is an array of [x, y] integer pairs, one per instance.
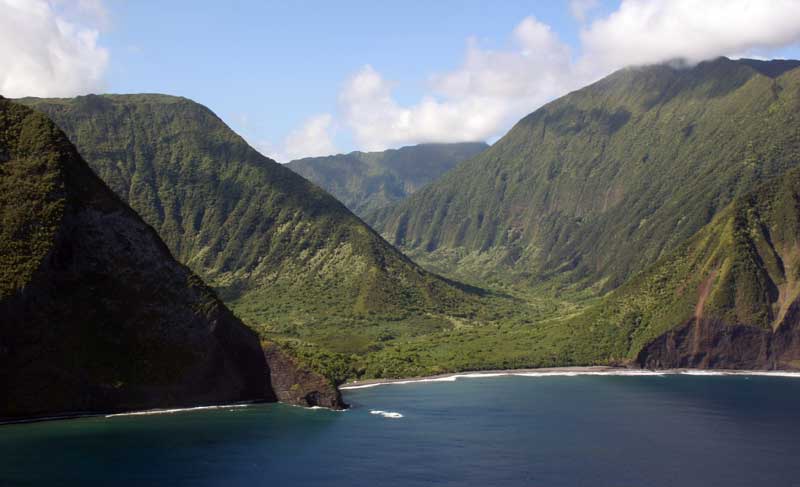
{"points": [[599, 370]]}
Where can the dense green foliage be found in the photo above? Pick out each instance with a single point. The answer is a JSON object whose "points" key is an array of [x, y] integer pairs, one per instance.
{"points": [[742, 268], [286, 256], [651, 164], [369, 181], [596, 185], [31, 195]]}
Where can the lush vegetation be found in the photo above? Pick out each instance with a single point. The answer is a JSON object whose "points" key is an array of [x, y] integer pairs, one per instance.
{"points": [[290, 259], [595, 186], [559, 224], [737, 264], [370, 181], [31, 194], [740, 269]]}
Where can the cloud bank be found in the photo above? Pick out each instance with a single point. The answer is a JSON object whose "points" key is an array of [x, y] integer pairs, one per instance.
{"points": [[494, 88], [42, 53], [580, 8], [642, 32]]}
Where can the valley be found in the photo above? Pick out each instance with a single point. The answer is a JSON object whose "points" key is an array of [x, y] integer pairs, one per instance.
{"points": [[399, 244], [541, 238]]}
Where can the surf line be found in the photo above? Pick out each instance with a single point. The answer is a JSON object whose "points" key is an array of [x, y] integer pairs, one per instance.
{"points": [[577, 372], [149, 412]]}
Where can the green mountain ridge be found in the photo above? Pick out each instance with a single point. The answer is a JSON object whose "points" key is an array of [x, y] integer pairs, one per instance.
{"points": [[95, 314], [367, 182], [287, 257], [596, 185]]}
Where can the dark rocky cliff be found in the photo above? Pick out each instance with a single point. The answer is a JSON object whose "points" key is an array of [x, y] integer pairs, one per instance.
{"points": [[295, 384], [711, 344], [95, 314]]}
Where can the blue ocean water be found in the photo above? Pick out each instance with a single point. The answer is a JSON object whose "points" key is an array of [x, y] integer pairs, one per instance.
{"points": [[511, 431]]}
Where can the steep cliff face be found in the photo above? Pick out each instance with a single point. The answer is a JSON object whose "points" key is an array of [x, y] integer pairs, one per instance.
{"points": [[595, 186], [95, 314], [712, 344], [746, 310], [296, 384], [729, 297]]}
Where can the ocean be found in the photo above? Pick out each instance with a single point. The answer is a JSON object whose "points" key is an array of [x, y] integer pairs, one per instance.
{"points": [[673, 430]]}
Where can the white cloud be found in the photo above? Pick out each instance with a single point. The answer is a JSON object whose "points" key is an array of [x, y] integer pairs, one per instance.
{"points": [[643, 31], [581, 8], [488, 91], [494, 88], [92, 12], [539, 56], [313, 138], [378, 121], [44, 52]]}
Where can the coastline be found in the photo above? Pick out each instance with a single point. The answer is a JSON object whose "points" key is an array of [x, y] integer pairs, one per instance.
{"points": [[118, 413], [593, 370]]}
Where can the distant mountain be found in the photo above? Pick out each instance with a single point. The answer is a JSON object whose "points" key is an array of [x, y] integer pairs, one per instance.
{"points": [[96, 314], [727, 298], [600, 183], [370, 181], [286, 256]]}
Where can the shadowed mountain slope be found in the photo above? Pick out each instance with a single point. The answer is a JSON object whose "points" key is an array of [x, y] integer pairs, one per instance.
{"points": [[95, 314]]}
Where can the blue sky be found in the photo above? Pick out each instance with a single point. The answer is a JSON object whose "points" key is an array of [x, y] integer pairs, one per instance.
{"points": [[265, 66], [308, 78], [292, 57]]}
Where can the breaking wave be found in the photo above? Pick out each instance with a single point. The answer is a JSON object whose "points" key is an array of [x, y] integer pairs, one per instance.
{"points": [[386, 414]]}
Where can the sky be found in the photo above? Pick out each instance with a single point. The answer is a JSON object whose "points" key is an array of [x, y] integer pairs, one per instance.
{"points": [[305, 78]]}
